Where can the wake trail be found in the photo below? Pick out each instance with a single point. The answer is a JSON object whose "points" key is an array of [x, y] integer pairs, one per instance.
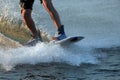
{"points": [[47, 53]]}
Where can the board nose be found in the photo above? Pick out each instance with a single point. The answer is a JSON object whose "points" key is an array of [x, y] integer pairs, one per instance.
{"points": [[77, 39]]}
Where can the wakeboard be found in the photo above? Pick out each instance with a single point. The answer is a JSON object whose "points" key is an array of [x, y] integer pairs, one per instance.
{"points": [[69, 40]]}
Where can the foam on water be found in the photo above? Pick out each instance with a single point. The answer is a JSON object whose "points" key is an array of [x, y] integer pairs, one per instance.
{"points": [[46, 53]]}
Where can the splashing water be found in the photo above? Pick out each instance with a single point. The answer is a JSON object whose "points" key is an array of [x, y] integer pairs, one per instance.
{"points": [[46, 53]]}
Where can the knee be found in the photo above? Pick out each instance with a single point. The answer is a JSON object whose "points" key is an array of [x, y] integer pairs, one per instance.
{"points": [[46, 2], [26, 14]]}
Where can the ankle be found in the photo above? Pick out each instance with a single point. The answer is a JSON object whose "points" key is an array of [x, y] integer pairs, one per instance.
{"points": [[61, 30], [35, 35]]}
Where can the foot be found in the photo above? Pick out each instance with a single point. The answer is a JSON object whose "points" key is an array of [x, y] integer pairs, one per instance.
{"points": [[35, 40], [59, 37], [61, 33]]}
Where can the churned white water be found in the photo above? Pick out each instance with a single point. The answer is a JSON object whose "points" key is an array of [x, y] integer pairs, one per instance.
{"points": [[46, 53]]}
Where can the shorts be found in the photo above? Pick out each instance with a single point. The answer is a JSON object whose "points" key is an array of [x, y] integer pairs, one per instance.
{"points": [[27, 4]]}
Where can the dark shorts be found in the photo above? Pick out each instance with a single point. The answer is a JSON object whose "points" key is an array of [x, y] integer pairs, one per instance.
{"points": [[27, 4]]}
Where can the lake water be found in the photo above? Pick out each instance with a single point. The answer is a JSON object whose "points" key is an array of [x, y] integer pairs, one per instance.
{"points": [[94, 58]]}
